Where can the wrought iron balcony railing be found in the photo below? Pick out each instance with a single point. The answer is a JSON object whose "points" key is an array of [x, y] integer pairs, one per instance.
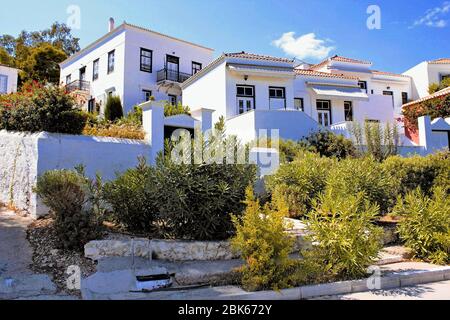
{"points": [[78, 85], [172, 75]]}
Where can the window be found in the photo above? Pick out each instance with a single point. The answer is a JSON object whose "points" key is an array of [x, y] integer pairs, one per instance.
{"points": [[68, 79], [147, 95], [173, 99], [91, 105], [277, 99], [277, 93], [95, 70], [404, 97], [444, 77], [196, 67], [363, 85], [324, 112], [111, 61], [348, 110], [83, 74], [372, 121], [299, 104], [146, 60], [245, 97], [3, 84]]}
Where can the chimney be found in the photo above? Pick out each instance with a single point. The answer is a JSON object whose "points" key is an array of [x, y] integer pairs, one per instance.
{"points": [[111, 25]]}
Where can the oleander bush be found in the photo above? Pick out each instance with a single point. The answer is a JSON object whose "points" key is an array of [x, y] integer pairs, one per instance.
{"points": [[75, 203], [41, 108], [366, 175], [185, 201], [264, 246], [419, 172], [425, 227], [345, 239], [301, 181], [328, 144]]}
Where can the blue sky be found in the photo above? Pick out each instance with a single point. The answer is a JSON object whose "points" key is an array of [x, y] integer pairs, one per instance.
{"points": [[411, 30]]}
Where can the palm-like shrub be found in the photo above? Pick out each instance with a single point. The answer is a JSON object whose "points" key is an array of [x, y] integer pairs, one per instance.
{"points": [[425, 227]]}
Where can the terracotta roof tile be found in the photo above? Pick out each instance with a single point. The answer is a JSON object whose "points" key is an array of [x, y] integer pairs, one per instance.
{"points": [[314, 73], [252, 56], [384, 73], [340, 59], [439, 94], [440, 61]]}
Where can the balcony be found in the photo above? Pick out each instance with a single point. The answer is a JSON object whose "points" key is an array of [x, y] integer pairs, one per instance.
{"points": [[172, 76], [78, 85]]}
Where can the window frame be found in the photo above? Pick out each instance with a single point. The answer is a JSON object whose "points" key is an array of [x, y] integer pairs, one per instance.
{"points": [[253, 96], [405, 97], [348, 110], [360, 82], [277, 89], [95, 75], [197, 64], [302, 100], [68, 79], [150, 70], [325, 109], [145, 91], [109, 68], [5, 77], [170, 99]]}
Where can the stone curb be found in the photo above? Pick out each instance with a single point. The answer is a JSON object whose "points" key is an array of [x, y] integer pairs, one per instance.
{"points": [[389, 281]]}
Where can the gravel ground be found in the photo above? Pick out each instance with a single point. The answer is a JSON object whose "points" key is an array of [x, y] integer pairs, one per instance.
{"points": [[47, 258]]}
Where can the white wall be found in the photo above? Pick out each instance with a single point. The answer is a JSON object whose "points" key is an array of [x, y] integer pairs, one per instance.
{"points": [[12, 76], [25, 156], [136, 80], [425, 74], [209, 92], [105, 82], [292, 125]]}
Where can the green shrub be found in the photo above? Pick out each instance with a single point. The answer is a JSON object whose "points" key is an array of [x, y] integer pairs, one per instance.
{"points": [[301, 181], [345, 239], [289, 150], [328, 144], [74, 201], [188, 201], [133, 198], [424, 172], [173, 110], [113, 108], [264, 245], [352, 176], [38, 108], [425, 227], [196, 201]]}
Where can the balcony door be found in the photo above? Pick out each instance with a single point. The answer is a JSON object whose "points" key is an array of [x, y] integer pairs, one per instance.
{"points": [[324, 112], [83, 74], [173, 67]]}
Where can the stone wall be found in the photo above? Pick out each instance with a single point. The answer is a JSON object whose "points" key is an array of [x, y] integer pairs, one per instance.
{"points": [[23, 157]]}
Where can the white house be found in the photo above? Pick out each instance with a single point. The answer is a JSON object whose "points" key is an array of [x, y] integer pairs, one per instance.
{"points": [[8, 79], [426, 73], [256, 92], [133, 63]]}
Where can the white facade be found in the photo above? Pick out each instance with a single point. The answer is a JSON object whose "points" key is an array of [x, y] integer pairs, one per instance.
{"points": [[131, 80], [8, 79], [426, 73], [295, 101]]}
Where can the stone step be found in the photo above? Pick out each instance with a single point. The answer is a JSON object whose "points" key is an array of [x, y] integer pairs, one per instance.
{"points": [[23, 286]]}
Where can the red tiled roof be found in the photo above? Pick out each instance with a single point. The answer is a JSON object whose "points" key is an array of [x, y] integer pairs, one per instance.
{"points": [[314, 73], [384, 73], [252, 56], [340, 59], [440, 61], [439, 94]]}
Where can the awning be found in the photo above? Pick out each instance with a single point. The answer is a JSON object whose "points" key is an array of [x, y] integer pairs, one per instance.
{"points": [[339, 92]]}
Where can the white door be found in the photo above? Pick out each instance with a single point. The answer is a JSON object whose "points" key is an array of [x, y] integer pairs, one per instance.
{"points": [[244, 104], [324, 117]]}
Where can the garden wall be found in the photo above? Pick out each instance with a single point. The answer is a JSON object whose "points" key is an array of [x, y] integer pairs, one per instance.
{"points": [[23, 157]]}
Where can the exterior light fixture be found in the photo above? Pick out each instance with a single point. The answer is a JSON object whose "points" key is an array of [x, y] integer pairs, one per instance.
{"points": [[245, 77]]}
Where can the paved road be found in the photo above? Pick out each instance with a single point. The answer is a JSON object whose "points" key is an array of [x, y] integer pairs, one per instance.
{"points": [[429, 291]]}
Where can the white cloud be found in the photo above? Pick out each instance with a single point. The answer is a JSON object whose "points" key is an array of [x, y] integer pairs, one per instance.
{"points": [[435, 17], [305, 46]]}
